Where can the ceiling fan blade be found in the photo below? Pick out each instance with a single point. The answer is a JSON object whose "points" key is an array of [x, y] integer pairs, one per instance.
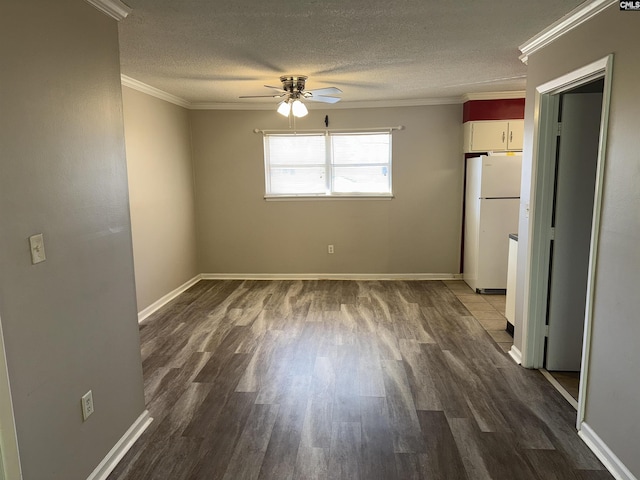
{"points": [[262, 96], [275, 88], [325, 91], [322, 98]]}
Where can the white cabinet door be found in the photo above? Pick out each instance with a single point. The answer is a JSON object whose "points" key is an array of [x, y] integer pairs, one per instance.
{"points": [[493, 135], [488, 136], [516, 135]]}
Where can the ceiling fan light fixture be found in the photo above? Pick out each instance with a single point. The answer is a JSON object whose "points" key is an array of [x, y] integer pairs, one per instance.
{"points": [[299, 109], [293, 92], [284, 108]]}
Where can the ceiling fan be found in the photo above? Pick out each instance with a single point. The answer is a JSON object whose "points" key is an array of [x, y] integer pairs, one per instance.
{"points": [[293, 91]]}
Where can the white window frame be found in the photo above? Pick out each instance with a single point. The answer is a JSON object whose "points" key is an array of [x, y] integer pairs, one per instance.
{"points": [[328, 165]]}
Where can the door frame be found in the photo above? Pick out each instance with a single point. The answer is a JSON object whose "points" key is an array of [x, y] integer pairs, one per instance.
{"points": [[10, 456], [536, 292]]}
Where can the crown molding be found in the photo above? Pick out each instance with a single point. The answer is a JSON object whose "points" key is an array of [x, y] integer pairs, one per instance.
{"points": [[420, 102], [153, 91], [162, 95], [114, 8], [493, 95], [571, 20], [338, 106], [233, 106]]}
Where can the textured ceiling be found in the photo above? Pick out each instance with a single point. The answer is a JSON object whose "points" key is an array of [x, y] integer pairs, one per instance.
{"points": [[208, 51]]}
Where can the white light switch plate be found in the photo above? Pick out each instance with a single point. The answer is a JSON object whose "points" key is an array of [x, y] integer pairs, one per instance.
{"points": [[87, 404], [37, 248]]}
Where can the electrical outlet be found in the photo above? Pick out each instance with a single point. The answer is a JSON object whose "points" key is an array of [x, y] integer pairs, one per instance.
{"points": [[87, 405], [36, 242], [329, 248]]}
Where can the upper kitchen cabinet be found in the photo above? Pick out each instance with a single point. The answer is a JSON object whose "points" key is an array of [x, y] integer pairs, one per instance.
{"points": [[493, 135], [493, 125]]}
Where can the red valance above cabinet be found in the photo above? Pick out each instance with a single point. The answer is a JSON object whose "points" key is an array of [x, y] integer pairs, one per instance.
{"points": [[504, 109]]}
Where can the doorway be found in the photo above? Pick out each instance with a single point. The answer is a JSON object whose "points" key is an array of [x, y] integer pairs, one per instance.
{"points": [[9, 456], [572, 118], [579, 116]]}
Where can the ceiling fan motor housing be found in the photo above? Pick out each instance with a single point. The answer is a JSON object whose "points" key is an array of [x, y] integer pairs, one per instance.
{"points": [[294, 84]]}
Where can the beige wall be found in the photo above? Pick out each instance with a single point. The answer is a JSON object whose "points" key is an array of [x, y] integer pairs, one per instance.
{"points": [[158, 144], [613, 387], [69, 323], [416, 232]]}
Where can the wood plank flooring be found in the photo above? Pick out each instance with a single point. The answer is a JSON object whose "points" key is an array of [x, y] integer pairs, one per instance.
{"points": [[388, 380]]}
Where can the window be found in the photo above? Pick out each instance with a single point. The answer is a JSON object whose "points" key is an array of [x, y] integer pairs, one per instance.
{"points": [[328, 164]]}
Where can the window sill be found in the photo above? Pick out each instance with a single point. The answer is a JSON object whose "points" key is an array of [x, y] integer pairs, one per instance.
{"points": [[303, 198]]}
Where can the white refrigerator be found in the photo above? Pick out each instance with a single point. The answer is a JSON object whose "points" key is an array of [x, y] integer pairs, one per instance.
{"points": [[492, 203]]}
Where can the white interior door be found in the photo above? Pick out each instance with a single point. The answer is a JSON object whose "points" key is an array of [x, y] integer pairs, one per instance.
{"points": [[573, 213]]}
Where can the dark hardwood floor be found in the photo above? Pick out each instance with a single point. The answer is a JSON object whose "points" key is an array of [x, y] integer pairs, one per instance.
{"points": [[343, 380]]}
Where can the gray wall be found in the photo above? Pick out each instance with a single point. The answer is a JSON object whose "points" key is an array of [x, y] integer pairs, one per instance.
{"points": [[416, 232], [158, 143], [613, 388], [69, 323]]}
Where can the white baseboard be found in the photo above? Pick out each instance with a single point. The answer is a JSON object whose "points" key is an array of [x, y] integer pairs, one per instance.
{"points": [[515, 354], [158, 304], [604, 453], [331, 276], [143, 314], [123, 445]]}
